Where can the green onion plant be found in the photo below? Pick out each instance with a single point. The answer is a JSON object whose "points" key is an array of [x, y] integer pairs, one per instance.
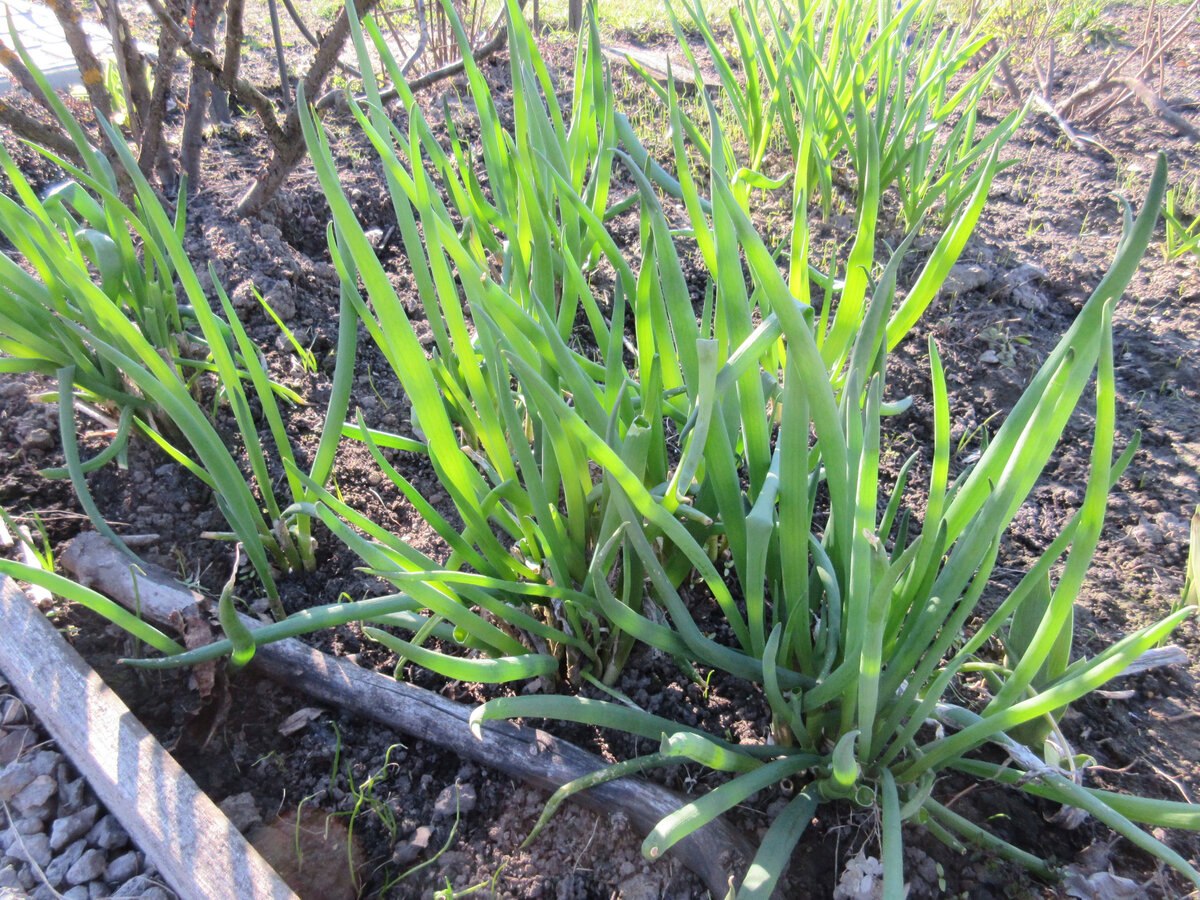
{"points": [[1181, 236], [617, 454], [108, 303], [860, 625], [814, 78]]}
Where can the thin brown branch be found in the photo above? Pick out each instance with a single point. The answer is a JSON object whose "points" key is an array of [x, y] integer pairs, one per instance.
{"points": [[11, 61], [204, 57], [1155, 104], [153, 152], [89, 67], [26, 126], [493, 45], [234, 32], [131, 64]]}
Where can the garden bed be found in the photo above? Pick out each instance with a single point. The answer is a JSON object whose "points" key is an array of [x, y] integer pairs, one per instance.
{"points": [[1045, 240]]}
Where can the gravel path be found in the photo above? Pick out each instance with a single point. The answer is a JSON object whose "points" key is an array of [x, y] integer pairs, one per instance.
{"points": [[56, 838]]}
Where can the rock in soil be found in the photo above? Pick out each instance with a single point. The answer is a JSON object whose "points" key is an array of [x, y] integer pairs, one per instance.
{"points": [[122, 868], [56, 872], [88, 867], [71, 828], [242, 811], [107, 834]]}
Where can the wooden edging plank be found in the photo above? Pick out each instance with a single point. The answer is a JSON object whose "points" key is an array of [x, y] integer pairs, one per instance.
{"points": [[198, 851]]}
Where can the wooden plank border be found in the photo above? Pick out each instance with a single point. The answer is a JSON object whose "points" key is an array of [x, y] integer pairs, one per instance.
{"points": [[198, 851]]}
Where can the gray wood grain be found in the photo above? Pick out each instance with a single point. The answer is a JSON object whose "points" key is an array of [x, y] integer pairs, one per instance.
{"points": [[200, 854]]}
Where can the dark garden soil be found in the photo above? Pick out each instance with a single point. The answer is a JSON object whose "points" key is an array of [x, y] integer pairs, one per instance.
{"points": [[1046, 238]]}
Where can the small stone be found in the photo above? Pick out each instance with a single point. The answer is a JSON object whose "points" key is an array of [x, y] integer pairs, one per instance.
{"points": [[8, 877], [36, 793], [29, 825], [1022, 285], [107, 834], [14, 779], [446, 805], [142, 886], [374, 237], [87, 868], [405, 853], [241, 810], [122, 868], [98, 889], [280, 300], [33, 848], [44, 762], [56, 872], [71, 795], [27, 878], [964, 277], [989, 357], [79, 892], [37, 439], [15, 742], [72, 827]]}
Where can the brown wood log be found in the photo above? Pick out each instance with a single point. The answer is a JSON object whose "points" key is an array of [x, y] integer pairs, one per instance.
{"points": [[530, 754], [196, 848]]}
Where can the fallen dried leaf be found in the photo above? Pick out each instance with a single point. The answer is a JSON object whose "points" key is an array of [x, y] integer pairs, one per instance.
{"points": [[299, 720]]}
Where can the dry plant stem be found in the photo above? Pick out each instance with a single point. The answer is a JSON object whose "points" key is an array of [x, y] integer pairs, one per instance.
{"points": [[1155, 104], [90, 72], [289, 149], [522, 752], [1104, 82], [1010, 83], [280, 60], [493, 45], [198, 850], [422, 37], [296, 18]]}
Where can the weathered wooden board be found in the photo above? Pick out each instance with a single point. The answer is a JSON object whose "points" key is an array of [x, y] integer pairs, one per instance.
{"points": [[199, 852]]}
